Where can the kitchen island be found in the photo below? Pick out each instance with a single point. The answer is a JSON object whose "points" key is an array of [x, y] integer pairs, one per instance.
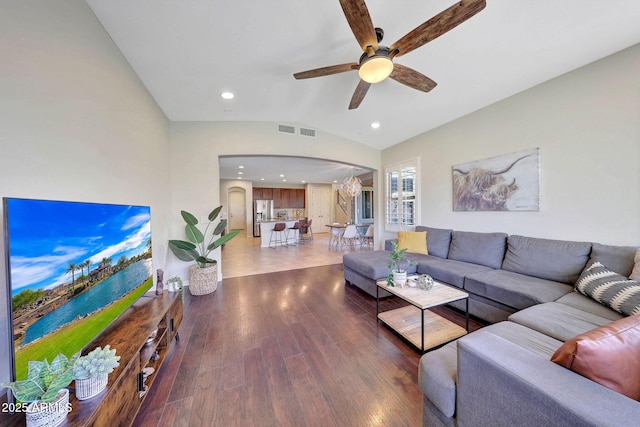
{"points": [[267, 226]]}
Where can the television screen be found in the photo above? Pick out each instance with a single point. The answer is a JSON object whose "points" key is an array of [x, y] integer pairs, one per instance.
{"points": [[73, 268]]}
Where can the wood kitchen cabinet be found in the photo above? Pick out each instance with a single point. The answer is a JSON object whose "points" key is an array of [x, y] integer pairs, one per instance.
{"points": [[283, 198], [277, 198]]}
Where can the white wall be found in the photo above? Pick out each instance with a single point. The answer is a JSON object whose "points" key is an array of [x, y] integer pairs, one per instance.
{"points": [[587, 126], [76, 123], [196, 146]]}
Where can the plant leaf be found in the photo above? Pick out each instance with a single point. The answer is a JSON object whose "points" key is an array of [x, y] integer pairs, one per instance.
{"points": [[224, 239], [188, 218], [220, 227], [25, 391], [214, 214], [184, 251], [194, 234], [204, 260]]}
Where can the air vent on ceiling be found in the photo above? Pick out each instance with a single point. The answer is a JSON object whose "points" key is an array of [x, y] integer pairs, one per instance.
{"points": [[308, 132], [286, 129]]}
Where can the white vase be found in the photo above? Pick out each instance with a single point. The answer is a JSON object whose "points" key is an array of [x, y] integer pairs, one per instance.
{"points": [[88, 387], [399, 278], [40, 414]]}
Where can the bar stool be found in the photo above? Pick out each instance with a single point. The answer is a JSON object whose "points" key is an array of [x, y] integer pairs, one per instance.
{"points": [[296, 233], [277, 231], [305, 231]]}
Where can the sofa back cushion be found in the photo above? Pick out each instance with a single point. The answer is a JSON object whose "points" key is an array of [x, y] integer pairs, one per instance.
{"points": [[558, 260], [438, 240], [617, 258], [478, 248], [608, 355]]}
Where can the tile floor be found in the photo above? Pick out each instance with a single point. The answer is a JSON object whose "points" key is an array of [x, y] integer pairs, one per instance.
{"points": [[243, 256]]}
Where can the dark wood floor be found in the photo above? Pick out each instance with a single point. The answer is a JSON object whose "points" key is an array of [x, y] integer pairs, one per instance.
{"points": [[294, 348]]}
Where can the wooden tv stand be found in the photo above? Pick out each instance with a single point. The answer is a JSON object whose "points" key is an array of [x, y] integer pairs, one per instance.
{"points": [[128, 334]]}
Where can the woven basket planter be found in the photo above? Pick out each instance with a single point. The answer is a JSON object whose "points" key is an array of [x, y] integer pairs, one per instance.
{"points": [[51, 414], [203, 281], [89, 387]]}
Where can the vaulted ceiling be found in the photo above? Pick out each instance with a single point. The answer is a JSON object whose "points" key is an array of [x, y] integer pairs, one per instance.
{"points": [[188, 52]]}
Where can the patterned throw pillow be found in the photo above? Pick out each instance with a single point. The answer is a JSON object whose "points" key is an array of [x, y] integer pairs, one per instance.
{"points": [[609, 288]]}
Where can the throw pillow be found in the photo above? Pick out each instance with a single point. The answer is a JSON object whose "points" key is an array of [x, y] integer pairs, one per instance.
{"points": [[609, 288], [635, 274], [608, 355], [414, 241]]}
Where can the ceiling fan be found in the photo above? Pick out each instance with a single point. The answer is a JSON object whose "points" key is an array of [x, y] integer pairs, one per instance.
{"points": [[376, 63]]}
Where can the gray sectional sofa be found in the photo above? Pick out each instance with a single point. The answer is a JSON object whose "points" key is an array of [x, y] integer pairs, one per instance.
{"points": [[501, 375]]}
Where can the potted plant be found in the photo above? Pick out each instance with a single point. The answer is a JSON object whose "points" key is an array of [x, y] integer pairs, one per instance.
{"points": [[44, 390], [175, 284], [203, 275], [398, 264], [92, 370]]}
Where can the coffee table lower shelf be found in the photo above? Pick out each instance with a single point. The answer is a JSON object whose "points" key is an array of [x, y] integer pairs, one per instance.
{"points": [[406, 322]]}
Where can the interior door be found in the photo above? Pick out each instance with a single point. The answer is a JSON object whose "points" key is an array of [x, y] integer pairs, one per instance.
{"points": [[320, 209], [237, 211]]}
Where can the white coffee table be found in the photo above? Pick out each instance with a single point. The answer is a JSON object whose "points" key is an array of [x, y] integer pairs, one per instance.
{"points": [[421, 327]]}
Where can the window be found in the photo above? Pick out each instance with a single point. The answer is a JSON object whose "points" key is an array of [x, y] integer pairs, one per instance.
{"points": [[401, 208]]}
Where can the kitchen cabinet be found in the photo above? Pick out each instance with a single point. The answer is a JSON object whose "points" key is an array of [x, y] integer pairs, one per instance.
{"points": [[277, 198], [299, 198], [283, 198]]}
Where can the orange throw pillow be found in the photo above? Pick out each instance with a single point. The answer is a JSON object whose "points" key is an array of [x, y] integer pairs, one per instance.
{"points": [[608, 355]]}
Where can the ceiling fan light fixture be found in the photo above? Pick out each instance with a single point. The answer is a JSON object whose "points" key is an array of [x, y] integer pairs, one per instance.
{"points": [[377, 67]]}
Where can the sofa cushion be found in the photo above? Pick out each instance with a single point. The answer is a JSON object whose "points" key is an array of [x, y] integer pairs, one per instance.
{"points": [[513, 289], [608, 355], [558, 321], [414, 241], [582, 302], [618, 258], [371, 264], [610, 288], [478, 248], [557, 260], [438, 240], [437, 373], [437, 377], [448, 270], [635, 273]]}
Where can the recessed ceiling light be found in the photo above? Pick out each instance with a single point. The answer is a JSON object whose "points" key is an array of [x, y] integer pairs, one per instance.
{"points": [[335, 180], [281, 175], [240, 173], [284, 180], [375, 125], [303, 181], [240, 167], [227, 95], [261, 179]]}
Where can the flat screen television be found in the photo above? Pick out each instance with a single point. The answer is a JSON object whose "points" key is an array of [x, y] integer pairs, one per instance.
{"points": [[72, 269]]}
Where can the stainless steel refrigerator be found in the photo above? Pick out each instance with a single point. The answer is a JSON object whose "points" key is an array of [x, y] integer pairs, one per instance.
{"points": [[262, 211]]}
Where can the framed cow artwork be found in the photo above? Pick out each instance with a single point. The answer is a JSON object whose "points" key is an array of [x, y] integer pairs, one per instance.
{"points": [[509, 182]]}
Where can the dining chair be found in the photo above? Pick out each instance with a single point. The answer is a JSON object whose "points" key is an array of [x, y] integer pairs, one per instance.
{"points": [[350, 235]]}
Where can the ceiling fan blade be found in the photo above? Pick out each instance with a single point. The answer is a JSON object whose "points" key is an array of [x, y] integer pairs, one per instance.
{"points": [[412, 78], [358, 95], [360, 22], [326, 71], [438, 25]]}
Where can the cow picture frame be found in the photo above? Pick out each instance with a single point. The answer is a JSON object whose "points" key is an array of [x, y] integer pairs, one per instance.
{"points": [[509, 182]]}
